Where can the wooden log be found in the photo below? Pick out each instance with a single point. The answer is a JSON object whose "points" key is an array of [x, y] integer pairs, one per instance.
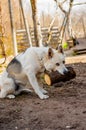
{"points": [[55, 77]]}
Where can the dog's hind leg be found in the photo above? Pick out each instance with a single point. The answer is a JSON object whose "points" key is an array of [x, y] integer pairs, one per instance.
{"points": [[3, 93], [21, 89]]}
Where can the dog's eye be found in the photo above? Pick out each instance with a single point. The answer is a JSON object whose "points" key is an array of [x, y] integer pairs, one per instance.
{"points": [[57, 64], [63, 62]]}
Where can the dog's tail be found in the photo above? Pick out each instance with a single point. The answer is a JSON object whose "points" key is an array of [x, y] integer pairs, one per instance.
{"points": [[22, 90]]}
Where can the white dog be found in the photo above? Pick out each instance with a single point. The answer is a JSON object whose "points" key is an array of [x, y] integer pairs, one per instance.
{"points": [[24, 68]]}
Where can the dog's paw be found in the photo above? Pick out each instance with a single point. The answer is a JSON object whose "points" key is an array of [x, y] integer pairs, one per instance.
{"points": [[44, 96], [43, 91], [11, 96]]}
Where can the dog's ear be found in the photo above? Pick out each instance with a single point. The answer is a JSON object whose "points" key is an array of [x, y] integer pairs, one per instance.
{"points": [[50, 53], [60, 49]]}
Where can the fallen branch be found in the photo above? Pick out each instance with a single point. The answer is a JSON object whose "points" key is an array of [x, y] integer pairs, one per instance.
{"points": [[79, 4]]}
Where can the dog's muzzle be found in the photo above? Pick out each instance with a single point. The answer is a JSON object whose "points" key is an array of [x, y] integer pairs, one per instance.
{"points": [[65, 71]]}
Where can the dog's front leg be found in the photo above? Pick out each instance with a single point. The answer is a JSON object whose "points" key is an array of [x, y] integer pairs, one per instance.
{"points": [[33, 81]]}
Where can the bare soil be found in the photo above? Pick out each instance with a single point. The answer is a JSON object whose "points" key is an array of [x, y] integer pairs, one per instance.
{"points": [[64, 110]]}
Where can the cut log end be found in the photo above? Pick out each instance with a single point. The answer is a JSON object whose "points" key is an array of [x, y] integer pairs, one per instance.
{"points": [[55, 77], [47, 79]]}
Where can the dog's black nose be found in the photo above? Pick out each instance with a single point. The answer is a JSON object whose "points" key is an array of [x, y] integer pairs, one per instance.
{"points": [[45, 70], [65, 72]]}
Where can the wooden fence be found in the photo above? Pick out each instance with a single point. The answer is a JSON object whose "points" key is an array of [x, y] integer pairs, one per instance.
{"points": [[22, 37]]}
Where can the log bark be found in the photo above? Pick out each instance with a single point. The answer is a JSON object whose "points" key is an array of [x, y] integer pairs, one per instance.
{"points": [[55, 77]]}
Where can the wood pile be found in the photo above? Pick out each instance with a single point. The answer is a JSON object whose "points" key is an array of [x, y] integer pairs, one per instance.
{"points": [[80, 51]]}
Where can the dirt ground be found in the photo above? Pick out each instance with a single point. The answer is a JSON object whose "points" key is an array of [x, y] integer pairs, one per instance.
{"points": [[64, 110]]}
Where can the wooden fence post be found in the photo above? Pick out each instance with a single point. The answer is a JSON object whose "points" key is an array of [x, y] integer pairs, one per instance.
{"points": [[26, 23], [13, 28], [36, 23]]}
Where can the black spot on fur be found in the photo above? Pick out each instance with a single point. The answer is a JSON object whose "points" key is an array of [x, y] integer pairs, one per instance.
{"points": [[17, 86], [14, 66], [14, 61]]}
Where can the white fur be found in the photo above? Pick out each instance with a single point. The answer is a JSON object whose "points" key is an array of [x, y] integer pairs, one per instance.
{"points": [[33, 61]]}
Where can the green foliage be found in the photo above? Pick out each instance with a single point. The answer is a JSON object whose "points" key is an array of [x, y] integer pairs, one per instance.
{"points": [[65, 45]]}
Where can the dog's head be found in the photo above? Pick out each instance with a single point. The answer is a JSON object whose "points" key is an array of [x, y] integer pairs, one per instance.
{"points": [[55, 60]]}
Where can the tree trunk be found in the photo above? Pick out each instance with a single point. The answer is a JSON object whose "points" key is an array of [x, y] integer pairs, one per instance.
{"points": [[66, 17], [36, 24]]}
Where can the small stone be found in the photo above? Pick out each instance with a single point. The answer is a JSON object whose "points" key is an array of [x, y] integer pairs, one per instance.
{"points": [[26, 129], [68, 127], [16, 128]]}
